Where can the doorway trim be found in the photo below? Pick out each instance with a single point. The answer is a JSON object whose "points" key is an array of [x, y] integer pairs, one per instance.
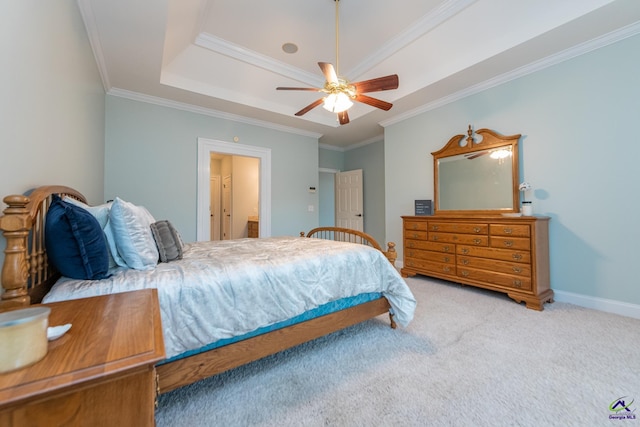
{"points": [[205, 148]]}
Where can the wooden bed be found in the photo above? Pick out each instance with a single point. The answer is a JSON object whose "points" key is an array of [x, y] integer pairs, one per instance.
{"points": [[27, 277]]}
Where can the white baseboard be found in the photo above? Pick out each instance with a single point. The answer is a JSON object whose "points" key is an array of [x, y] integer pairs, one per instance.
{"points": [[596, 303], [602, 304]]}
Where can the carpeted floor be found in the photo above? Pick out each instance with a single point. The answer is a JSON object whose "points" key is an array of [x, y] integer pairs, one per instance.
{"points": [[469, 358]]}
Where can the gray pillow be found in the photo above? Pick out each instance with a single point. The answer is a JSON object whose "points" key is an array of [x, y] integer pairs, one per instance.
{"points": [[167, 240]]}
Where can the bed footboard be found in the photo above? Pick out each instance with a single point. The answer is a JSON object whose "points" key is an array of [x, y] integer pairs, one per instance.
{"points": [[353, 236]]}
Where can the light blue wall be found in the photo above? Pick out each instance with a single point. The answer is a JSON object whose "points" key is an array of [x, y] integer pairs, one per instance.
{"points": [[370, 158], [327, 199], [329, 158], [151, 160], [51, 101], [579, 151]]}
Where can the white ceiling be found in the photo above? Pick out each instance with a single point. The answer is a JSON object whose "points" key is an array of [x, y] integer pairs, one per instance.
{"points": [[224, 57]]}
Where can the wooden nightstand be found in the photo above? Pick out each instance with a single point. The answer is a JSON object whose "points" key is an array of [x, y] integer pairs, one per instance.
{"points": [[100, 373]]}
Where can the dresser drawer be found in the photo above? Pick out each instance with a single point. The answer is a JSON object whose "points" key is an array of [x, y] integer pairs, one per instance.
{"points": [[509, 255], [467, 239], [494, 253], [516, 282], [415, 225], [506, 267], [415, 234], [447, 258], [521, 243], [430, 266], [455, 227], [431, 246], [515, 230]]}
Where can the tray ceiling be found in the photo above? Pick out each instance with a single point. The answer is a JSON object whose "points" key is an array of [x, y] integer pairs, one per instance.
{"points": [[226, 57]]}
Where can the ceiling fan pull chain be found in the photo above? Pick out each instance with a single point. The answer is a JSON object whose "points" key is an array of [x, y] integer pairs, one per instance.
{"points": [[337, 38]]}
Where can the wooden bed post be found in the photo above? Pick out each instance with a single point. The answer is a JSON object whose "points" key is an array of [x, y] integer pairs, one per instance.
{"points": [[15, 226], [391, 253]]}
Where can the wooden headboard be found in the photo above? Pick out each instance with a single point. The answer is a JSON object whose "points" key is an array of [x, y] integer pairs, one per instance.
{"points": [[26, 273]]}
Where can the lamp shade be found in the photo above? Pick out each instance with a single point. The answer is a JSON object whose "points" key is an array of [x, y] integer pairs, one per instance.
{"points": [[337, 102]]}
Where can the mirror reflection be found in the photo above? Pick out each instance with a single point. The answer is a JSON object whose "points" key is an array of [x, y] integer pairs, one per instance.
{"points": [[480, 180], [477, 174]]}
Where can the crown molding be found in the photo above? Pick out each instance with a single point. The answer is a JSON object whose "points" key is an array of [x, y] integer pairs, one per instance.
{"points": [[89, 19], [372, 140], [421, 27], [578, 50], [235, 51], [331, 147], [136, 96]]}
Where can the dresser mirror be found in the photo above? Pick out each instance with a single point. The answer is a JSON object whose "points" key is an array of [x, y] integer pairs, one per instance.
{"points": [[477, 174]]}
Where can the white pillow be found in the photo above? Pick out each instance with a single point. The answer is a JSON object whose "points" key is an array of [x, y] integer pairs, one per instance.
{"points": [[131, 227], [100, 213]]}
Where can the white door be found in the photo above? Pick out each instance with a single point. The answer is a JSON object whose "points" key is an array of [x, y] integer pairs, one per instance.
{"points": [[349, 203], [226, 208], [214, 207]]}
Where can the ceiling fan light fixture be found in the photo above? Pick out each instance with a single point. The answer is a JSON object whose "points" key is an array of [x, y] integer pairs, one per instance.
{"points": [[337, 102]]}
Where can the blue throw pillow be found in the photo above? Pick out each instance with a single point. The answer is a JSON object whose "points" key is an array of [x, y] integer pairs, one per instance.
{"points": [[75, 242]]}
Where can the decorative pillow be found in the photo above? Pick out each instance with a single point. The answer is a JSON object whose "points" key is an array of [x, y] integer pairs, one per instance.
{"points": [[131, 226], [75, 243], [101, 213], [167, 240]]}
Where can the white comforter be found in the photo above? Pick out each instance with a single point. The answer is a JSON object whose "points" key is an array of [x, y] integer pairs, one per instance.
{"points": [[228, 288]]}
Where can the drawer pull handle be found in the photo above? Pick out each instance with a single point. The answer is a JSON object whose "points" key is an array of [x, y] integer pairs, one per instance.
{"points": [[415, 226], [465, 262], [477, 241], [508, 231], [464, 251], [508, 243], [464, 273], [446, 248], [517, 283], [411, 263], [517, 256], [415, 235], [410, 244], [410, 253], [435, 228], [446, 269], [446, 259], [517, 270], [435, 238], [477, 229]]}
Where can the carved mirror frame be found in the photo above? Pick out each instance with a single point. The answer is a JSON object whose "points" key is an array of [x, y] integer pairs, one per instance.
{"points": [[470, 148]]}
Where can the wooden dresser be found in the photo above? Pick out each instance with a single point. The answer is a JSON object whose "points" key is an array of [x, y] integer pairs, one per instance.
{"points": [[509, 255], [100, 373]]}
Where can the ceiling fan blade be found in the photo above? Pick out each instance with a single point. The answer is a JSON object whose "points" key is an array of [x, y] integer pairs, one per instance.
{"points": [[378, 103], [476, 155], [343, 117], [299, 88], [309, 107], [376, 85], [329, 72]]}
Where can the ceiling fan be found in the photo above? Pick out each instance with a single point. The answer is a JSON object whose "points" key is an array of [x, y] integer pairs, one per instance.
{"points": [[340, 92]]}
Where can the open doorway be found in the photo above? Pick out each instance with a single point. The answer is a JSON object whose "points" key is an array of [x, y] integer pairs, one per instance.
{"points": [[235, 196], [260, 155]]}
